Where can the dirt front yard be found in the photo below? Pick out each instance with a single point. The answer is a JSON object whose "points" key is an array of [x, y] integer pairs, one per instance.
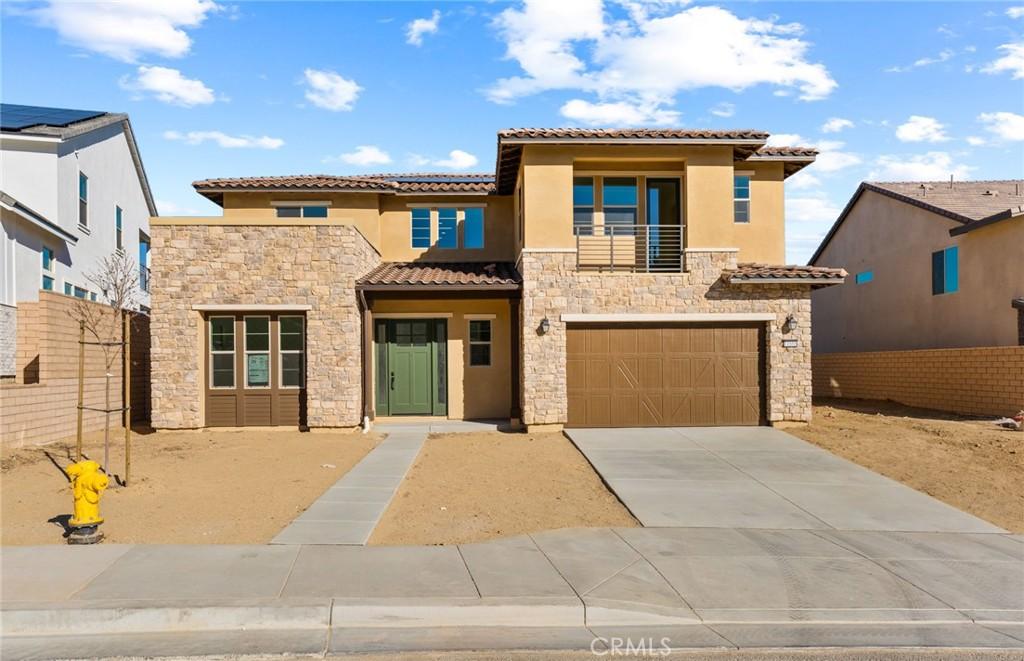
{"points": [[476, 486], [971, 464], [192, 487]]}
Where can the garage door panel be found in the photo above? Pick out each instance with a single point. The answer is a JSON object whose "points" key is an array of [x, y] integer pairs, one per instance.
{"points": [[672, 375]]}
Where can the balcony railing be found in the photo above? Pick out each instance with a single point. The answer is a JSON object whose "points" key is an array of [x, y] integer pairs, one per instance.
{"points": [[629, 248]]}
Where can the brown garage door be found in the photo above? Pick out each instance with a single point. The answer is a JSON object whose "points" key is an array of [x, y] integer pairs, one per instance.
{"points": [[255, 370], [646, 376]]}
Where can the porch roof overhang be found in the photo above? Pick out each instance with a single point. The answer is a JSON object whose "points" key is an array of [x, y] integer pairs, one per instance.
{"points": [[14, 206], [441, 277]]}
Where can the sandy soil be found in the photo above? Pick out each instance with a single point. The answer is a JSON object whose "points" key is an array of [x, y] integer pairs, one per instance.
{"points": [[476, 486], [219, 487], [969, 463]]}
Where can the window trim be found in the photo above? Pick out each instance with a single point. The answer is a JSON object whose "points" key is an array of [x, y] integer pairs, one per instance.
{"points": [[302, 210], [118, 228], [47, 273], [864, 277], [592, 206], [470, 342], [945, 260], [412, 228], [83, 201], [211, 352], [246, 351], [455, 229], [637, 220], [281, 352], [747, 199]]}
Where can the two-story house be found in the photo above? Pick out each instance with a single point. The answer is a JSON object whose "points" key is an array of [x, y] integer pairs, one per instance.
{"points": [[72, 191], [598, 277]]}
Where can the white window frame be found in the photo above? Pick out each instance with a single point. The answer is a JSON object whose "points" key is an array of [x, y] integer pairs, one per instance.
{"points": [[470, 341], [234, 345], [302, 210], [247, 351], [83, 221], [47, 272], [118, 229], [431, 224], [747, 199], [281, 352]]}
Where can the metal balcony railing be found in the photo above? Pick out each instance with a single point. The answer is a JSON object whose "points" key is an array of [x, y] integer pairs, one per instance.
{"points": [[618, 248]]}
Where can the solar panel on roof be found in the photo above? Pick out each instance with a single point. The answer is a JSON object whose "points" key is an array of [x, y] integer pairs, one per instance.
{"points": [[14, 117]]}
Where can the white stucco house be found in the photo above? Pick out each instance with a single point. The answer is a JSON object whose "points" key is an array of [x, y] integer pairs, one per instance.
{"points": [[72, 191]]}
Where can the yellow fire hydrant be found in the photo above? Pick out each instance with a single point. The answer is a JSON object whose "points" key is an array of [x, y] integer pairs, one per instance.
{"points": [[87, 483]]}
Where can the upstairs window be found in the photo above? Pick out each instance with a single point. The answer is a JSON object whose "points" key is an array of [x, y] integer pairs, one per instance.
{"points": [[421, 228], [473, 228], [76, 291], [582, 205], [83, 200], [619, 201], [864, 277], [945, 271], [447, 228], [118, 227], [741, 198], [47, 268], [304, 211]]}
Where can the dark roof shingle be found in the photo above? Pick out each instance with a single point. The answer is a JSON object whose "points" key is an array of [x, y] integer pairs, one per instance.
{"points": [[965, 201], [501, 275]]}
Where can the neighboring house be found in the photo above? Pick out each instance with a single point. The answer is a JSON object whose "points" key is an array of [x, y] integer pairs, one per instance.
{"points": [[598, 278], [72, 191], [932, 265], [932, 314]]}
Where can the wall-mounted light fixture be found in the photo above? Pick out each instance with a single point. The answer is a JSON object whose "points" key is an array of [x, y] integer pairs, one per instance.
{"points": [[789, 325], [545, 326]]}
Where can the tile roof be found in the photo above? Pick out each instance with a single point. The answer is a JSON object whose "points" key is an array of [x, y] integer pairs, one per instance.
{"points": [[806, 152], [630, 134], [754, 273], [973, 204], [500, 275], [399, 183]]}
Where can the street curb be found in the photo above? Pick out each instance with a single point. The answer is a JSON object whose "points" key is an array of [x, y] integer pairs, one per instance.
{"points": [[458, 612]]}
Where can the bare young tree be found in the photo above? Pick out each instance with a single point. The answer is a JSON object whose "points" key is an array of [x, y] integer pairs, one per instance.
{"points": [[117, 278]]}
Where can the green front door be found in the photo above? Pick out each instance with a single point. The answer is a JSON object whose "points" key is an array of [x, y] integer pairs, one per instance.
{"points": [[410, 359]]}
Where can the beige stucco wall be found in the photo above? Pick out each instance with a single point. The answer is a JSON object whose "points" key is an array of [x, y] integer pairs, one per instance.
{"points": [[359, 209], [552, 287], [707, 194], [473, 392], [396, 229], [254, 265], [897, 310]]}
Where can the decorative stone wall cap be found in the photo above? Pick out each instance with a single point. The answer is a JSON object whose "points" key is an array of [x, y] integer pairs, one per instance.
{"points": [[253, 307]]}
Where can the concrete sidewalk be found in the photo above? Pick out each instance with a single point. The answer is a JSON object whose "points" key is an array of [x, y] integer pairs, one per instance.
{"points": [[700, 587]]}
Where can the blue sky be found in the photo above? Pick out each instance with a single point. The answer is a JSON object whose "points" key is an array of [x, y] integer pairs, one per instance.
{"points": [[885, 90]]}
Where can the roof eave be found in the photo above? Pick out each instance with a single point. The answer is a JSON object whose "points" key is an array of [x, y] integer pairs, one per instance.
{"points": [[985, 222], [740, 280], [438, 287], [37, 219]]}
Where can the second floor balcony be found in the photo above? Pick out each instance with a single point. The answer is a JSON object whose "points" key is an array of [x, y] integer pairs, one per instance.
{"points": [[620, 248]]}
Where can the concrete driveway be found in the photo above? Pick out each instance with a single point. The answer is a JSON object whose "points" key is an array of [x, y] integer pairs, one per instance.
{"points": [[755, 477]]}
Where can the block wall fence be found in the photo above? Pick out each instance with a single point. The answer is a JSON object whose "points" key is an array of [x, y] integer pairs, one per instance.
{"points": [[40, 405], [973, 381]]}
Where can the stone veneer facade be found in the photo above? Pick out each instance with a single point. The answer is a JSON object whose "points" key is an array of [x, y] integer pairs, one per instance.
{"points": [[258, 265], [552, 286]]}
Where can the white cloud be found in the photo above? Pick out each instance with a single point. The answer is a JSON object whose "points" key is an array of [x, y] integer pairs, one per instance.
{"points": [[808, 217], [458, 160], [126, 29], [224, 140], [363, 155], [932, 166], [649, 57], [836, 124], [1015, 12], [723, 109], [975, 141], [328, 90], [831, 157], [918, 128], [811, 207], [421, 26], [618, 113], [169, 86], [1006, 125], [943, 56], [168, 208], [802, 180], [1012, 62]]}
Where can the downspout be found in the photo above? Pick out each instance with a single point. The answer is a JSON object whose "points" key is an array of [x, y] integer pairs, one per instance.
{"points": [[363, 308]]}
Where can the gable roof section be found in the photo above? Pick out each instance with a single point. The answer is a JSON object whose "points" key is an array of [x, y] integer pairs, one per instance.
{"points": [[67, 123], [973, 204]]}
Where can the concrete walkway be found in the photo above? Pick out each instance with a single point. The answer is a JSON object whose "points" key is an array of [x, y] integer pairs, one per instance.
{"points": [[700, 587], [349, 511], [756, 477]]}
